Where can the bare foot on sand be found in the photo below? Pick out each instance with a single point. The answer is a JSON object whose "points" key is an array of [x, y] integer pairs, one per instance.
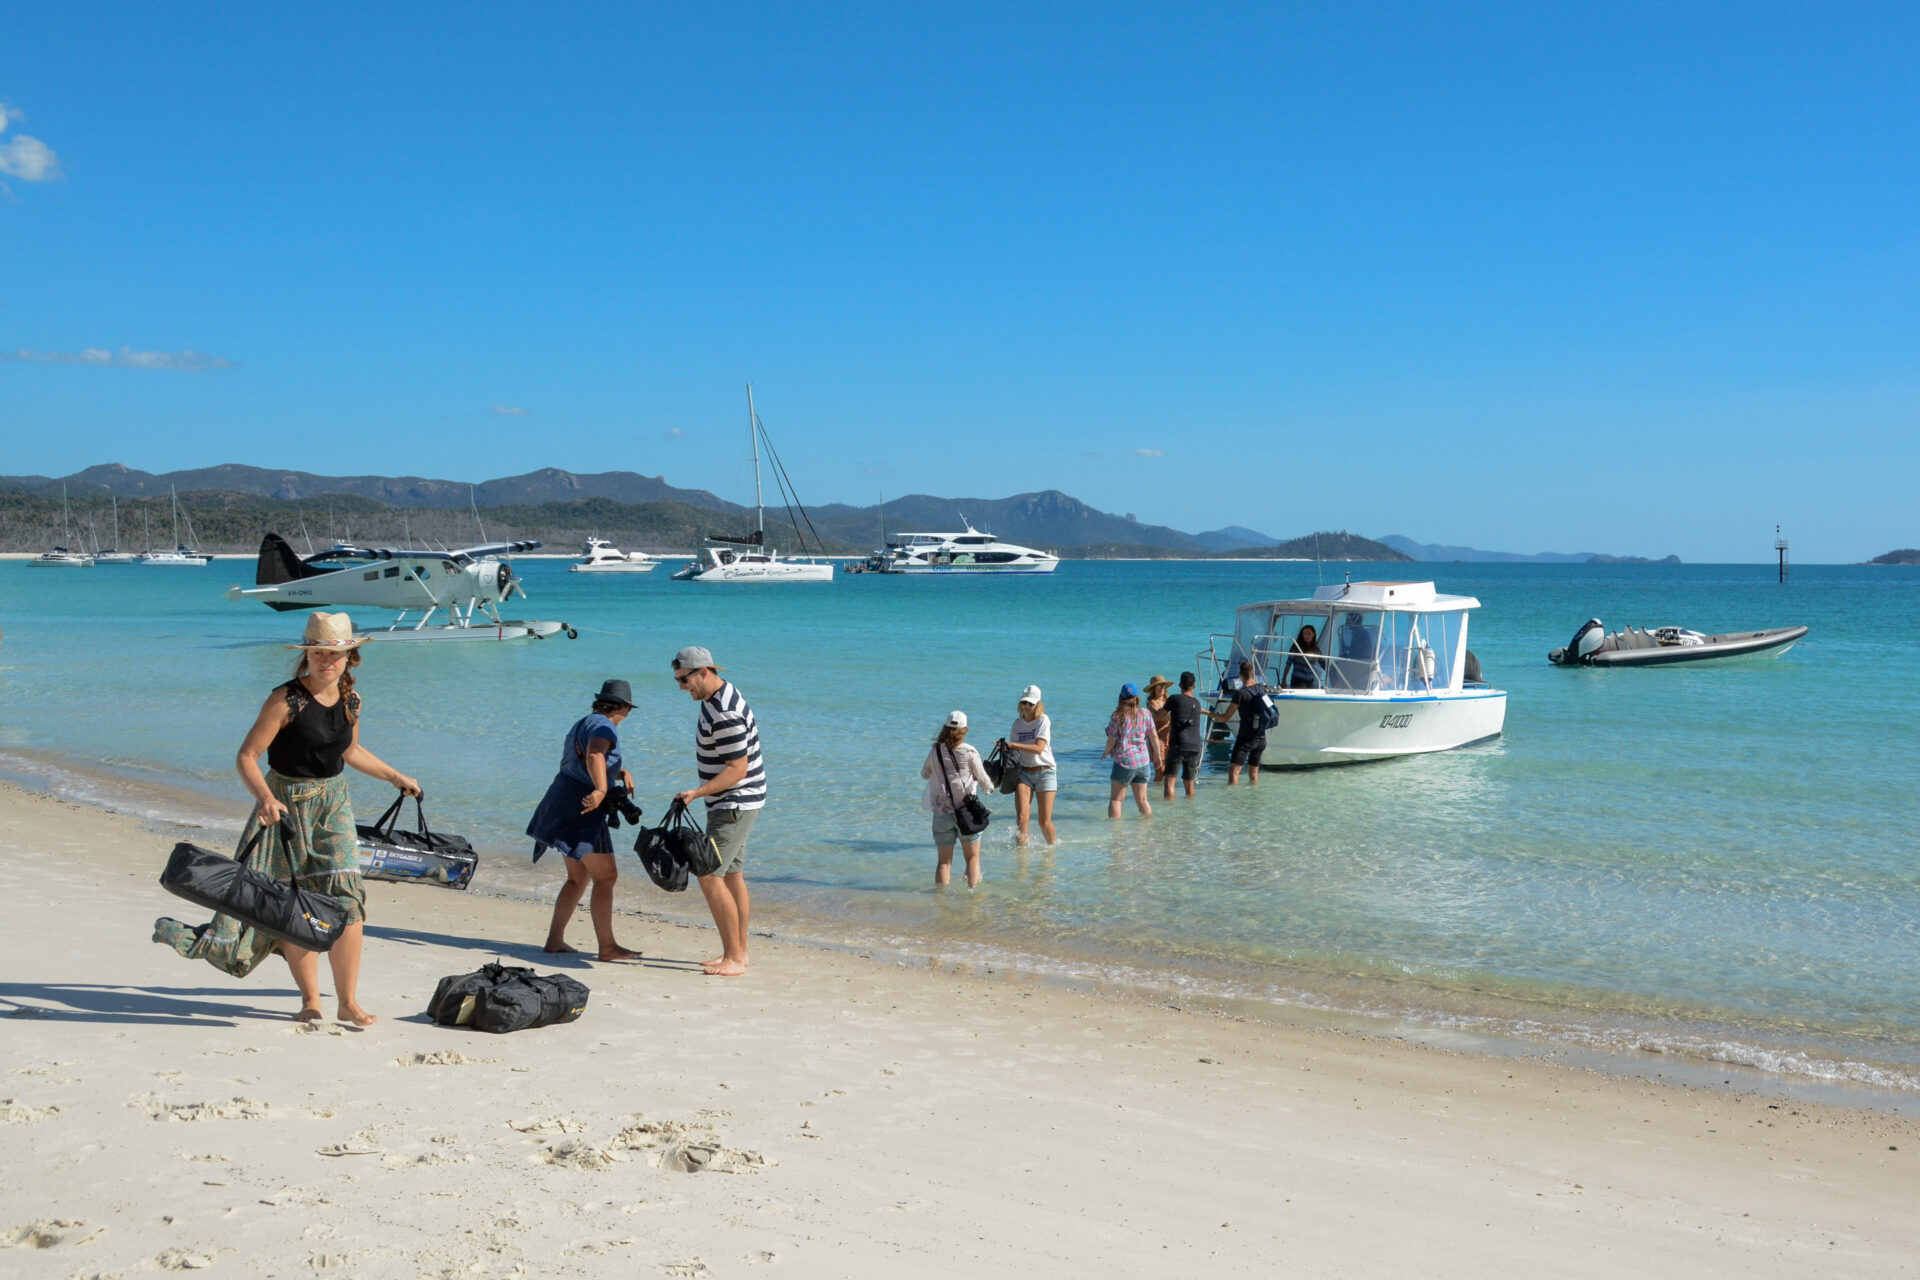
{"points": [[559, 949], [617, 953], [354, 1014], [724, 968], [311, 1013]]}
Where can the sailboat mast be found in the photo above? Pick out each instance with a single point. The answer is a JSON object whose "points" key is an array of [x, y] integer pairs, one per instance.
{"points": [[116, 521], [66, 534], [753, 439], [177, 544]]}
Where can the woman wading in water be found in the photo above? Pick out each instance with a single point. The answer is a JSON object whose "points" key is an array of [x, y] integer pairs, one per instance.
{"points": [[309, 729]]}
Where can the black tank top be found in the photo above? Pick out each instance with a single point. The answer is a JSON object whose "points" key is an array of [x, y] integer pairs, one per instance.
{"points": [[314, 742]]}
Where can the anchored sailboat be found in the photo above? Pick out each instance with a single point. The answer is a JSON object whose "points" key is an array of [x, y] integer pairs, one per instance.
{"points": [[60, 557], [749, 558], [184, 554]]}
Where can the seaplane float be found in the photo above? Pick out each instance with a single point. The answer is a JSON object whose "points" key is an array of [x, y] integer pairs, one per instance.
{"points": [[469, 584]]}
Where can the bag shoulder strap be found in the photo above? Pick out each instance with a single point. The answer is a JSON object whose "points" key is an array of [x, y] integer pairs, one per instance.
{"points": [[946, 778]]}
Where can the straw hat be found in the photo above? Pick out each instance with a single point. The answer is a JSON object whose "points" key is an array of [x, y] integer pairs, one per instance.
{"points": [[329, 631], [1158, 682]]}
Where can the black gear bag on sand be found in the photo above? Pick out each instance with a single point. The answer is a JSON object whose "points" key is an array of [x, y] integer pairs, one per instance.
{"points": [[501, 998], [674, 848], [229, 887], [421, 856]]}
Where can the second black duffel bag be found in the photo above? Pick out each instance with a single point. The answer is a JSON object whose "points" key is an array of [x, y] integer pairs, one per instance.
{"points": [[500, 998]]}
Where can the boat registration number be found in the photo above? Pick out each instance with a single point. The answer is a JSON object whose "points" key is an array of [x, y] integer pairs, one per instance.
{"points": [[1396, 722]]}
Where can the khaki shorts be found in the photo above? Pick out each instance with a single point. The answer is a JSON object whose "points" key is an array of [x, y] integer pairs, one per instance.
{"points": [[729, 829]]}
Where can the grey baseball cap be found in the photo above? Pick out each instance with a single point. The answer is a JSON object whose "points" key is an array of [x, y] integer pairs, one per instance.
{"points": [[693, 657]]}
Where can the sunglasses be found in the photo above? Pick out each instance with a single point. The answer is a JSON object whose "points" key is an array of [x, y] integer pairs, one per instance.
{"points": [[681, 678]]}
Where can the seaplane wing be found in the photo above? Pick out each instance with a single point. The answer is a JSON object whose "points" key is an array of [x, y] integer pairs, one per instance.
{"points": [[380, 577]]}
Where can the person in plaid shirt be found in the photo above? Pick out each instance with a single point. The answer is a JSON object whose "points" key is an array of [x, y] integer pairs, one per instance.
{"points": [[1135, 749]]}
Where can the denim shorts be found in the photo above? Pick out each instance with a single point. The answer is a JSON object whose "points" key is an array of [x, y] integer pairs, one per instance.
{"points": [[947, 833], [1127, 775], [1185, 764], [1047, 779]]}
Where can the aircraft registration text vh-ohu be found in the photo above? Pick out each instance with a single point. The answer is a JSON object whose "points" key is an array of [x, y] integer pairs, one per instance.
{"points": [[470, 584]]}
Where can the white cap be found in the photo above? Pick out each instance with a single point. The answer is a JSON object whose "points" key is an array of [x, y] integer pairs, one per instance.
{"points": [[1031, 694], [957, 720]]}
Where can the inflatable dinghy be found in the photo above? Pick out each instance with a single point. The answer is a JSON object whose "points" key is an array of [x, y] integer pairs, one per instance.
{"points": [[1591, 646]]}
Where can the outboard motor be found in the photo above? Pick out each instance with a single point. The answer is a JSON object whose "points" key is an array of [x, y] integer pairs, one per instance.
{"points": [[1585, 643]]}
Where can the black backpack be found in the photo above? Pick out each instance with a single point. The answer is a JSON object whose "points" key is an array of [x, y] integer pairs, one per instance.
{"points": [[500, 998], [674, 848]]}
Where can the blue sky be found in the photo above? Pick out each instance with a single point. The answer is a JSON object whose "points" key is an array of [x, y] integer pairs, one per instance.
{"points": [[1627, 278]]}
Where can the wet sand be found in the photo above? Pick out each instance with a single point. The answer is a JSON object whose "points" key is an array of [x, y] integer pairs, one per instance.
{"points": [[826, 1116]]}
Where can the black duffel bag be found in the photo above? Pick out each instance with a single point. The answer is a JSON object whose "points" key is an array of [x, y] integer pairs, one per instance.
{"points": [[499, 998], [229, 887], [676, 847], [997, 765], [420, 856]]}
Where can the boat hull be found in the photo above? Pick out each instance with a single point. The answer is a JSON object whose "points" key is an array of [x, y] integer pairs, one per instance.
{"points": [[975, 570], [648, 567], [770, 573], [1322, 729]]}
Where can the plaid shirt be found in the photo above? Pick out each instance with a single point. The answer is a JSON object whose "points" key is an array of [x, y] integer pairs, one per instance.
{"points": [[1130, 736]]}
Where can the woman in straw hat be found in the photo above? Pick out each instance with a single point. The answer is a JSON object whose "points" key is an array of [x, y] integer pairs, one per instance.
{"points": [[309, 729]]}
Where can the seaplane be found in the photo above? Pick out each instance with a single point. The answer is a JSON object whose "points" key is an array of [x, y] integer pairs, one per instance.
{"points": [[469, 585]]}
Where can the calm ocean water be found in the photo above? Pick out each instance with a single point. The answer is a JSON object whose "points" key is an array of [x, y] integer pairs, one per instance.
{"points": [[1719, 863]]}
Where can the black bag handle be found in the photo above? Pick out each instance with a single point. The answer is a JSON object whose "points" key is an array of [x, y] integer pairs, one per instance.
{"points": [[385, 823], [288, 835]]}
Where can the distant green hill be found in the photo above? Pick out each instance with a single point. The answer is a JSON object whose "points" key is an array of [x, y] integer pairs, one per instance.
{"points": [[1906, 555]]}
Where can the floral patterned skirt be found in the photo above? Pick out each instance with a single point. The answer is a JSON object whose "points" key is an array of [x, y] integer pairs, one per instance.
{"points": [[326, 861]]}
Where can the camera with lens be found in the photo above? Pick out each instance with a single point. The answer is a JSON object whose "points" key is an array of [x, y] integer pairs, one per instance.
{"points": [[619, 804]]}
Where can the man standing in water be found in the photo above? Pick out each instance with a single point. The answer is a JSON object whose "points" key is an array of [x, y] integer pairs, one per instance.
{"points": [[1185, 741], [733, 782], [1250, 704]]}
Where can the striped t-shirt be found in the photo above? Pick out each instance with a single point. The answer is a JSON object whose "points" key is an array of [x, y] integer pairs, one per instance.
{"points": [[727, 732]]}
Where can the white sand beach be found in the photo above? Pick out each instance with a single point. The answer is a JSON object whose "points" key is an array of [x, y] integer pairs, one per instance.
{"points": [[827, 1116]]}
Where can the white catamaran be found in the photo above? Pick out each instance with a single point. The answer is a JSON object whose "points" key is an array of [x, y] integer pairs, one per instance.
{"points": [[184, 554], [60, 557], [750, 559]]}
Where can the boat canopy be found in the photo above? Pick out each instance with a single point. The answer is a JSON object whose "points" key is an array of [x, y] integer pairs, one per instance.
{"points": [[1365, 637]]}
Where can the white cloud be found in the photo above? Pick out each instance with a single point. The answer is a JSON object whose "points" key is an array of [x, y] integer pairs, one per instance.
{"points": [[24, 156], [675, 433], [185, 361], [510, 411], [1147, 453]]}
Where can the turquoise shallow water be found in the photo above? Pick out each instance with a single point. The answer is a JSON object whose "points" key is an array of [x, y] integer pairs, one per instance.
{"points": [[1714, 862]]}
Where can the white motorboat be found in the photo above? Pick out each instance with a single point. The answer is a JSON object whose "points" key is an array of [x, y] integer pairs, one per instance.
{"points": [[60, 557], [749, 558], [185, 555], [601, 556], [1385, 673], [969, 552], [1591, 646]]}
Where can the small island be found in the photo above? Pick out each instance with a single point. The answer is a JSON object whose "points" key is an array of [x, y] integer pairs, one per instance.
{"points": [[1905, 555]]}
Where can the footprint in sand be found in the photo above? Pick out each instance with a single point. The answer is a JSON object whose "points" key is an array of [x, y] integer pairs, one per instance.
{"points": [[13, 1111], [441, 1058], [578, 1153], [548, 1124], [184, 1260], [691, 1267], [41, 1233], [231, 1109]]}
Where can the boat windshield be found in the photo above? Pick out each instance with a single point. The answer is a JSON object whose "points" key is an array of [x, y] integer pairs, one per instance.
{"points": [[1356, 650]]}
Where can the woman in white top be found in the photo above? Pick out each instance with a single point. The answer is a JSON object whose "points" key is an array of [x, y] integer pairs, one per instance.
{"points": [[955, 772], [1028, 741]]}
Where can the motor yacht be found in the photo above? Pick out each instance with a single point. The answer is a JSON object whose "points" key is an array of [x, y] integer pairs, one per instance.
{"points": [[1385, 672], [968, 552], [601, 556]]}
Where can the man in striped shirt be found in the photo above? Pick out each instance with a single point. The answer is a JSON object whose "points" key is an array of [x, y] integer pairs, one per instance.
{"points": [[733, 782]]}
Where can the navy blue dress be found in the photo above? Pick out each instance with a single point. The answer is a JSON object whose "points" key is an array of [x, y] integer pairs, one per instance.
{"points": [[558, 823]]}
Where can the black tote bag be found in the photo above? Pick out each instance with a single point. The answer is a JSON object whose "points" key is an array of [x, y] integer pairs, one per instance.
{"points": [[229, 887], [678, 839], [971, 815]]}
